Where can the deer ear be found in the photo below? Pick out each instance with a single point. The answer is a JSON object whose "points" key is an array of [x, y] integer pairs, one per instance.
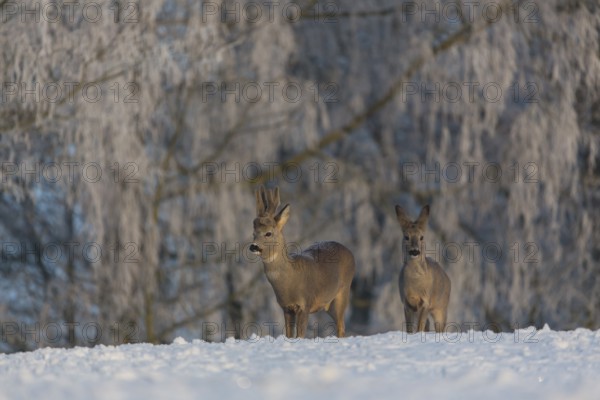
{"points": [[423, 217], [402, 217], [282, 217]]}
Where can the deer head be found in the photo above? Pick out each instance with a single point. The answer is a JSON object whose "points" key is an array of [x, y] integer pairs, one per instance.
{"points": [[414, 232], [268, 240]]}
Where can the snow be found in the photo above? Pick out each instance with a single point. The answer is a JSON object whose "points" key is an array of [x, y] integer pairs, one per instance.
{"points": [[474, 364]]}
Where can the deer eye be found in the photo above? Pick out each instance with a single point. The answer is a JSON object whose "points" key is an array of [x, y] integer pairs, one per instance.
{"points": [[406, 237], [268, 234], [421, 237]]}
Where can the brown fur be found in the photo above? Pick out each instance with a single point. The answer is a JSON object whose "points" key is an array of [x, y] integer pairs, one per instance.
{"points": [[316, 279], [424, 285]]}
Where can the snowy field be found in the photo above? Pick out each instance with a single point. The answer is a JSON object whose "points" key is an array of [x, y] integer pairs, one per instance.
{"points": [[477, 365]]}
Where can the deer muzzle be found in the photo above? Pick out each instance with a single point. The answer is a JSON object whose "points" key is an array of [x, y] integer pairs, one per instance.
{"points": [[414, 253], [255, 249]]}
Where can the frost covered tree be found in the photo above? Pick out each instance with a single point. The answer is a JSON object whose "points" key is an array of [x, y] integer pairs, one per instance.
{"points": [[162, 116]]}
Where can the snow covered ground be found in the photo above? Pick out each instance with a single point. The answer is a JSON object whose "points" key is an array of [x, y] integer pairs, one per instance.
{"points": [[478, 365]]}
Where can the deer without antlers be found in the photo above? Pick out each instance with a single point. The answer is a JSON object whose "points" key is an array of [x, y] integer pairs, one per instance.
{"points": [[316, 279], [424, 286]]}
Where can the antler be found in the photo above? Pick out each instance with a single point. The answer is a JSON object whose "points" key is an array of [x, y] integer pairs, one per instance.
{"points": [[273, 202], [267, 201], [260, 205]]}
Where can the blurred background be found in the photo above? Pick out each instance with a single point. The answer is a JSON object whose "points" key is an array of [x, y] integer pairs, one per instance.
{"points": [[133, 135]]}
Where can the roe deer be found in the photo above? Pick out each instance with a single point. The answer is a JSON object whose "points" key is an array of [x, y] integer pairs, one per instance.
{"points": [[424, 286], [316, 279]]}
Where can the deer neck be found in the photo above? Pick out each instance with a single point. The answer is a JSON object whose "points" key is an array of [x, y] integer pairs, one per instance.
{"points": [[418, 264], [279, 262]]}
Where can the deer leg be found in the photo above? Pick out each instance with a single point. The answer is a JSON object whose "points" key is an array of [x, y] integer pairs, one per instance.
{"points": [[422, 312], [332, 313], [290, 323], [337, 310], [302, 323], [409, 319], [439, 319]]}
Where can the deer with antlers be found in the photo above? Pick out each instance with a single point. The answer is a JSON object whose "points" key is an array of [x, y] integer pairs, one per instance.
{"points": [[315, 279]]}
